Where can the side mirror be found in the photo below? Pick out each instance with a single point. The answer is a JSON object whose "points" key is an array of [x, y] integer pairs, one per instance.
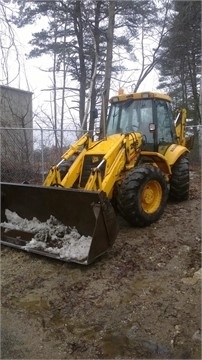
{"points": [[97, 130], [152, 127]]}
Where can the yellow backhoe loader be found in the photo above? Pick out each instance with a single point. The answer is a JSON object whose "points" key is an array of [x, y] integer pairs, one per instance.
{"points": [[139, 161]]}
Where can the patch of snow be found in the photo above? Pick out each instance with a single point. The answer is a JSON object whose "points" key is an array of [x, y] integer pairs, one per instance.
{"points": [[51, 236], [15, 222]]}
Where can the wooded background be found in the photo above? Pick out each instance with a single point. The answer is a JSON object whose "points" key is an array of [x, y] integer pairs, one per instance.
{"points": [[93, 46]]}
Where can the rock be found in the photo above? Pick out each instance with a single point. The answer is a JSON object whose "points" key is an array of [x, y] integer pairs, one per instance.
{"points": [[193, 280], [197, 336], [198, 274], [189, 280]]}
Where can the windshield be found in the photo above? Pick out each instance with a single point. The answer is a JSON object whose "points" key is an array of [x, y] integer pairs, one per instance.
{"points": [[131, 116]]}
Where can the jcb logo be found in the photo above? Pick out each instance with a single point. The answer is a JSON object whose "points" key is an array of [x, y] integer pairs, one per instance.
{"points": [[95, 159], [173, 148]]}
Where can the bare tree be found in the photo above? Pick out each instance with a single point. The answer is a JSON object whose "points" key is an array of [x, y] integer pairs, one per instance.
{"points": [[149, 61], [8, 47]]}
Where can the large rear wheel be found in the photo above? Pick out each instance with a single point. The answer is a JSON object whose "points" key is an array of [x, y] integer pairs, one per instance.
{"points": [[142, 195], [179, 182]]}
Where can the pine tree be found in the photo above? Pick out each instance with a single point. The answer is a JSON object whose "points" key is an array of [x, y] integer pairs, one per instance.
{"points": [[179, 60]]}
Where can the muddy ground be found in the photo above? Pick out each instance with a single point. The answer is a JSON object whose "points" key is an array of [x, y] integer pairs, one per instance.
{"points": [[141, 300]]}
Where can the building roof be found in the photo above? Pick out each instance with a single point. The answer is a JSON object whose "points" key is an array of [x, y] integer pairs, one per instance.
{"points": [[15, 89]]}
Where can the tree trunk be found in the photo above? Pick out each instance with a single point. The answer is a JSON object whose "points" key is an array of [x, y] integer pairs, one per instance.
{"points": [[108, 67], [63, 86], [78, 27], [96, 35]]}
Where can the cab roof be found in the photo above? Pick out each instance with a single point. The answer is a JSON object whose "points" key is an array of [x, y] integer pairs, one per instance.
{"points": [[140, 95]]}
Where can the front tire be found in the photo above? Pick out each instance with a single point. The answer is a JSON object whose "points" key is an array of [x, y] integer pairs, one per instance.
{"points": [[179, 182], [142, 195]]}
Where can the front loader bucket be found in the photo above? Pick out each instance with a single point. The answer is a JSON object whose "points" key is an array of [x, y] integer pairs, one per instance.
{"points": [[43, 220]]}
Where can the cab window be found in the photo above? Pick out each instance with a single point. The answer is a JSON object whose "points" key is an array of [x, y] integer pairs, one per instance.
{"points": [[164, 122]]}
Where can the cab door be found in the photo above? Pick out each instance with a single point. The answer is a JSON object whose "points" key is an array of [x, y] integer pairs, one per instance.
{"points": [[164, 125]]}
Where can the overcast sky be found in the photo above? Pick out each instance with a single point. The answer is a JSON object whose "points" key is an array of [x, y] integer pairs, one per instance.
{"points": [[32, 78]]}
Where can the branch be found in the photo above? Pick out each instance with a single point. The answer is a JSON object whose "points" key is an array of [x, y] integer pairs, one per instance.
{"points": [[146, 69]]}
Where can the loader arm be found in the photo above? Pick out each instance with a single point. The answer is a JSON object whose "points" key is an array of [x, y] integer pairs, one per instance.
{"points": [[76, 147], [121, 156], [95, 182], [53, 178]]}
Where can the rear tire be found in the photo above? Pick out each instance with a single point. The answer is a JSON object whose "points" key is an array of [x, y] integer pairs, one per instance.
{"points": [[142, 195], [179, 182]]}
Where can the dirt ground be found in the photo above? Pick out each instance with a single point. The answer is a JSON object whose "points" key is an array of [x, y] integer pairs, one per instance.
{"points": [[141, 300]]}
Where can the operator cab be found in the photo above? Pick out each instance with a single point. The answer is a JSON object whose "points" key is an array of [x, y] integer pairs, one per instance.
{"points": [[150, 116]]}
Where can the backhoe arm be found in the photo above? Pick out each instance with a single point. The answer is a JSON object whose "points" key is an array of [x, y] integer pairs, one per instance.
{"points": [[180, 128], [180, 123]]}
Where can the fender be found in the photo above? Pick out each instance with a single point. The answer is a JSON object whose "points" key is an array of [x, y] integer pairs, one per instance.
{"points": [[157, 159], [174, 152], [166, 161]]}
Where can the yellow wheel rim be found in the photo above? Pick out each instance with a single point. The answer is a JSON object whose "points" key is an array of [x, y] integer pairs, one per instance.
{"points": [[151, 196]]}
